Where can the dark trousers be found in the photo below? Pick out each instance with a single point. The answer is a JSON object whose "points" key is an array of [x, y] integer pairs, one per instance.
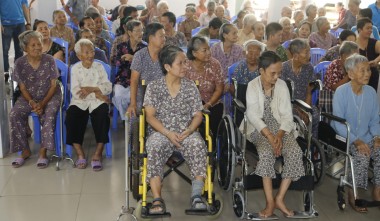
{"points": [[11, 32], [76, 123], [216, 114]]}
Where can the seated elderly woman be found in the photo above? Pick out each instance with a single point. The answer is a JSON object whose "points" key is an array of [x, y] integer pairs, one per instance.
{"points": [[173, 108], [173, 37], [298, 16], [333, 53], [287, 30], [273, 32], [89, 89], [36, 73], [259, 31], [239, 19], [189, 23], [88, 22], [270, 128], [207, 70], [246, 33], [303, 31], [357, 102], [162, 7], [322, 38], [311, 14]]}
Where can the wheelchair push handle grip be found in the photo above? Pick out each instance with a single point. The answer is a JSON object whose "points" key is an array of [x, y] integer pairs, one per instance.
{"points": [[303, 105], [239, 105], [317, 84], [333, 117]]}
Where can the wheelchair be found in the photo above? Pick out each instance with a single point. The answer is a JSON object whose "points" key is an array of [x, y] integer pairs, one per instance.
{"points": [[137, 170], [233, 150]]}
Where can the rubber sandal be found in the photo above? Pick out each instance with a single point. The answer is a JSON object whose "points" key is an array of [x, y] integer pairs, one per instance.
{"points": [[358, 209], [96, 165], [18, 162], [197, 203], [81, 163], [42, 163], [161, 206]]}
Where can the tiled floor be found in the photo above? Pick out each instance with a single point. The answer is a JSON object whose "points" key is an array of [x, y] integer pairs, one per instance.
{"points": [[31, 194]]}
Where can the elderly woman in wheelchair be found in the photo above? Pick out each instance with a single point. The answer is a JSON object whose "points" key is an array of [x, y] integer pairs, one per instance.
{"points": [[270, 128], [173, 108], [357, 103]]}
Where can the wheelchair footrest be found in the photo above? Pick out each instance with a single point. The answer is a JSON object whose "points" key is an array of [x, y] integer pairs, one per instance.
{"points": [[256, 216], [254, 181], [303, 215], [365, 203], [198, 212], [145, 213]]}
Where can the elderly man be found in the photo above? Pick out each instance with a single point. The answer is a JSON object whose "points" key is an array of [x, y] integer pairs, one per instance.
{"points": [[286, 12], [206, 17]]}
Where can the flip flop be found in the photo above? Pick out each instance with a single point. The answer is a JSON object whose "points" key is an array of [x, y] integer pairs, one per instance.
{"points": [[81, 163], [18, 162], [42, 163], [96, 165]]}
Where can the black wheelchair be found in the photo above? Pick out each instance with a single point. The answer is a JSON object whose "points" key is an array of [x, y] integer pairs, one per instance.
{"points": [[232, 150], [136, 135]]}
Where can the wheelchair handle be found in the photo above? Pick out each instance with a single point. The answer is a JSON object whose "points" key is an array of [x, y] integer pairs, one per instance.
{"points": [[239, 105], [205, 111], [303, 105], [333, 117]]}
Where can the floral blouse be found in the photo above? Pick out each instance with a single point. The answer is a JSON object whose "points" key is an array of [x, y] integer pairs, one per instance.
{"points": [[123, 76], [242, 73], [207, 80], [115, 43], [178, 39], [224, 59], [187, 26], [331, 54], [67, 35], [323, 42], [334, 73]]}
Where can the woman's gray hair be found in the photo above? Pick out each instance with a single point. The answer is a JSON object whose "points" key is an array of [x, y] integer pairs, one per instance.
{"points": [[297, 45], [348, 47], [211, 4], [249, 19], [309, 8], [225, 29], [320, 21], [296, 13], [254, 43], [82, 42], [25, 37], [282, 20], [91, 10], [353, 61], [191, 8], [161, 4], [356, 2]]}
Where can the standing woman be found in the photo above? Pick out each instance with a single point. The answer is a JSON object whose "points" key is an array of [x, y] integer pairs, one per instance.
{"points": [[145, 65], [207, 70], [349, 19], [370, 48], [124, 57], [36, 74], [270, 128], [48, 46]]}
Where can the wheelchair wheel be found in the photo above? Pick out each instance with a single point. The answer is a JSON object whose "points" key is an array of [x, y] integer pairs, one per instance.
{"points": [[318, 157], [217, 207], [225, 142], [238, 204]]}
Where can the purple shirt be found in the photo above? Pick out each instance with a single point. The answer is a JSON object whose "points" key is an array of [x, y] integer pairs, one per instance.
{"points": [[224, 59]]}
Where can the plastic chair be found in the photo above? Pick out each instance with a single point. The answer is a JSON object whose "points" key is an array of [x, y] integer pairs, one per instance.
{"points": [[336, 32], [213, 41], [233, 18], [64, 44], [115, 112], [286, 44], [316, 55], [227, 98], [195, 31], [179, 20], [108, 22], [109, 47], [108, 146], [112, 35], [319, 70]]}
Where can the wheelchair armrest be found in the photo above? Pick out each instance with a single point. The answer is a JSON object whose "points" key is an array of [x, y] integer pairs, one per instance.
{"points": [[239, 105], [333, 117], [303, 105], [317, 85]]}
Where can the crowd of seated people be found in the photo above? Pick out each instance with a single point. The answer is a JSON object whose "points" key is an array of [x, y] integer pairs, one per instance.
{"points": [[137, 40]]}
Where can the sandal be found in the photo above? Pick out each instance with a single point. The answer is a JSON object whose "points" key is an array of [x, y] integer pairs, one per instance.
{"points": [[357, 208], [96, 165], [160, 206], [42, 163], [81, 163], [18, 162], [197, 203]]}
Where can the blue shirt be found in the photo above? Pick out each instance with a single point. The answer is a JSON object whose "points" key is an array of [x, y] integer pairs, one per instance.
{"points": [[360, 111], [375, 15], [11, 12]]}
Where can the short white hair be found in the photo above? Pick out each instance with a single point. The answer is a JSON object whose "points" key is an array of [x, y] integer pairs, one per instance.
{"points": [[254, 43], [82, 42], [161, 4], [249, 19], [284, 19]]}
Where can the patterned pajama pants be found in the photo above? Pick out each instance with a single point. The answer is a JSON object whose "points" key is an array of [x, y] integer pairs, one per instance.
{"points": [[159, 149], [361, 163], [18, 118]]}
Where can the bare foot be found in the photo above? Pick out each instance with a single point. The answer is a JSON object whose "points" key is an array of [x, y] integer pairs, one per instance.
{"points": [[281, 206], [26, 154], [268, 211]]}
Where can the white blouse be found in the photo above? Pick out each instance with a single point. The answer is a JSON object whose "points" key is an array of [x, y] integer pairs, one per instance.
{"points": [[281, 106], [95, 76]]}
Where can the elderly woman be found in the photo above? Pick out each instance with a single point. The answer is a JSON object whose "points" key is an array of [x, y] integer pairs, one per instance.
{"points": [[321, 12], [303, 32], [86, 33], [247, 6], [287, 32], [219, 12], [206, 17], [207, 70], [122, 38], [357, 102], [227, 52], [88, 22], [89, 89], [36, 74], [99, 31], [259, 31], [370, 48], [48, 46], [246, 33], [323, 39], [173, 109], [239, 18], [173, 37], [145, 65], [311, 14], [189, 24], [270, 128], [60, 29], [116, 23], [201, 8], [297, 17], [336, 75], [274, 32], [349, 19], [333, 53], [162, 7], [124, 57]]}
